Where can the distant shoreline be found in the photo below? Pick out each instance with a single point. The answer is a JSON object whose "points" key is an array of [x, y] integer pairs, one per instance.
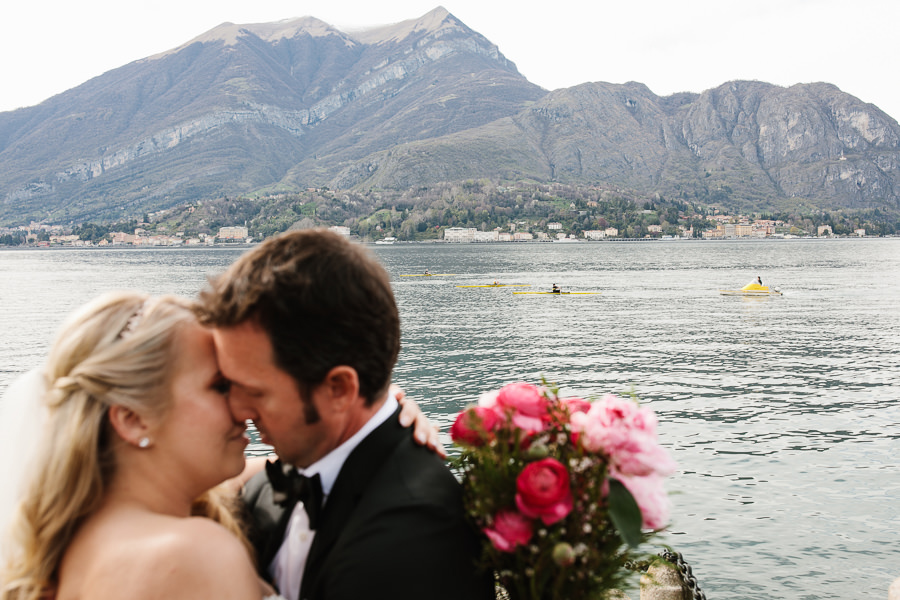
{"points": [[199, 247]]}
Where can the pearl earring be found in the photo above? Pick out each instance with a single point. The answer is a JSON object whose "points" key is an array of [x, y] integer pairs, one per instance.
{"points": [[144, 442]]}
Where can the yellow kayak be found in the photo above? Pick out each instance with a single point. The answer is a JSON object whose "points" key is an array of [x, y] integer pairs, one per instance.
{"points": [[497, 285], [557, 293], [430, 275], [752, 289]]}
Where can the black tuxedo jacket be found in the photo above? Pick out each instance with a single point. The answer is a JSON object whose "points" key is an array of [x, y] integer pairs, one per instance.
{"points": [[393, 527]]}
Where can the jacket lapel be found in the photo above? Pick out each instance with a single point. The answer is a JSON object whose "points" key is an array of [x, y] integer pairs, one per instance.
{"points": [[268, 521], [357, 472]]}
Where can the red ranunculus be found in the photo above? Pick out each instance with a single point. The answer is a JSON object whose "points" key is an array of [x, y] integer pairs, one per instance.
{"points": [[510, 529], [473, 426], [543, 491]]}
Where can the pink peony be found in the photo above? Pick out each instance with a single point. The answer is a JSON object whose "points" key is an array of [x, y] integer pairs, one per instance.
{"points": [[641, 456], [543, 491], [626, 433], [650, 496], [474, 426], [510, 529]]}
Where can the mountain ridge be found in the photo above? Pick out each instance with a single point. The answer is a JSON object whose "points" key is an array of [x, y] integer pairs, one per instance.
{"points": [[242, 109]]}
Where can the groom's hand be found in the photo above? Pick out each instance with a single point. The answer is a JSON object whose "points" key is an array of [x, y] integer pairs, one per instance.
{"points": [[424, 432]]}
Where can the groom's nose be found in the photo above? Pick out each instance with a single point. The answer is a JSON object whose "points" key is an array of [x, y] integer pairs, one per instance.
{"points": [[240, 406]]}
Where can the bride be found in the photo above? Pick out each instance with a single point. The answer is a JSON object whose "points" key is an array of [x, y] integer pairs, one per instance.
{"points": [[131, 440]]}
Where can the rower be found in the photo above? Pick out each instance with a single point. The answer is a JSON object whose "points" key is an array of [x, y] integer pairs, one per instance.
{"points": [[759, 280], [426, 272], [555, 289]]}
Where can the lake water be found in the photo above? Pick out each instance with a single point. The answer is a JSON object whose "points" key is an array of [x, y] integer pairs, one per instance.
{"points": [[783, 413]]}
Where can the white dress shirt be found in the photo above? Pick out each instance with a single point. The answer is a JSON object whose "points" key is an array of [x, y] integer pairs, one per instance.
{"points": [[288, 565]]}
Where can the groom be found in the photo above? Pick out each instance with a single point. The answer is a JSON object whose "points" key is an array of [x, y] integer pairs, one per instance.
{"points": [[307, 330]]}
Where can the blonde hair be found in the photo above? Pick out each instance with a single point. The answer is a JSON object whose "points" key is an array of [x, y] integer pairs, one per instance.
{"points": [[117, 350]]}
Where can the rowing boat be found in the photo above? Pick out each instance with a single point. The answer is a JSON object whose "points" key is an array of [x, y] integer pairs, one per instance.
{"points": [[752, 289], [497, 285], [557, 293]]}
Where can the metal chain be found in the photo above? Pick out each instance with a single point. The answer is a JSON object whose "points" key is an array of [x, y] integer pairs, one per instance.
{"points": [[684, 569], [676, 558]]}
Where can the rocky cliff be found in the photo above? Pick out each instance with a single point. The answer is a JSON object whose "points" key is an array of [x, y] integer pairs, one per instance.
{"points": [[743, 144]]}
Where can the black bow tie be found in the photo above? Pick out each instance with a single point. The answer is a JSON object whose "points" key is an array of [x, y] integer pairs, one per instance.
{"points": [[290, 487]]}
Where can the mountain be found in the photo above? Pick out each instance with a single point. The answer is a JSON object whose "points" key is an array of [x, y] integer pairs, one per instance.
{"points": [[243, 107], [248, 109], [744, 145]]}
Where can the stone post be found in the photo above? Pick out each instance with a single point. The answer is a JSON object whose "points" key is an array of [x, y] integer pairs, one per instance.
{"points": [[662, 582]]}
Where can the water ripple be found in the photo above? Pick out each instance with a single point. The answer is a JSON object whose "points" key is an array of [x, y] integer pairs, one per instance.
{"points": [[783, 413]]}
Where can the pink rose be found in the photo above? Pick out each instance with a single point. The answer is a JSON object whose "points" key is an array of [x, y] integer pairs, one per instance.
{"points": [[527, 404], [510, 529], [543, 491], [524, 398], [473, 427], [575, 405], [650, 496]]}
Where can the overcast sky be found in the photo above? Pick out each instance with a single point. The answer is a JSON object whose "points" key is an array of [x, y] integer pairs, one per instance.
{"points": [[49, 46]]}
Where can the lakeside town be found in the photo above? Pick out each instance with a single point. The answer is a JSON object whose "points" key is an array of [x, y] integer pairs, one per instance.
{"points": [[723, 227]]}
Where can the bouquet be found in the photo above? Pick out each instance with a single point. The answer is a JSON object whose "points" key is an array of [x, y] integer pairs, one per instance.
{"points": [[563, 489]]}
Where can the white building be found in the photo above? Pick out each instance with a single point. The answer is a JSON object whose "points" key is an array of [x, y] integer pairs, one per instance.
{"points": [[611, 232], [232, 233], [487, 236], [859, 232], [594, 234], [340, 229], [460, 235], [522, 236], [743, 230], [554, 226], [824, 230]]}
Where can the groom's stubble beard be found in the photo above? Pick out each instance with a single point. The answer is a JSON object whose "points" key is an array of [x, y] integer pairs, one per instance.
{"points": [[310, 413]]}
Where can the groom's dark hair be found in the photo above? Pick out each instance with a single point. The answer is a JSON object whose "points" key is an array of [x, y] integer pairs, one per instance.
{"points": [[322, 300]]}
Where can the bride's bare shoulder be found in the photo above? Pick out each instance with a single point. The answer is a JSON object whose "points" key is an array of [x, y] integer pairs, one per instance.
{"points": [[185, 558], [199, 558]]}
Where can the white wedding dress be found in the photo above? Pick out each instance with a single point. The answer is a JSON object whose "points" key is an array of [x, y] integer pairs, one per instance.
{"points": [[22, 418]]}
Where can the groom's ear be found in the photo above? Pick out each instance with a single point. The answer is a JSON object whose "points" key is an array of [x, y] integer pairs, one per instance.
{"points": [[130, 426], [342, 387]]}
